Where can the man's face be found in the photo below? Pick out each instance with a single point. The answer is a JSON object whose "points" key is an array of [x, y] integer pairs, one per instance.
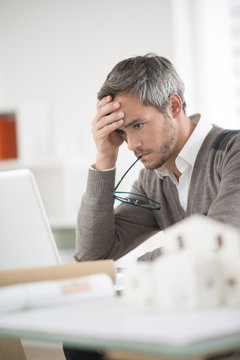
{"points": [[148, 133]]}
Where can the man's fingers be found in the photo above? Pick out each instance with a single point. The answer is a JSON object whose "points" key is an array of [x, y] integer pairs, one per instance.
{"points": [[104, 101], [106, 108], [108, 129], [108, 119]]}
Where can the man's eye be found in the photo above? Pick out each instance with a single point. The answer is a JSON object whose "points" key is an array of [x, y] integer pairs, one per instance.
{"points": [[138, 126], [121, 132]]}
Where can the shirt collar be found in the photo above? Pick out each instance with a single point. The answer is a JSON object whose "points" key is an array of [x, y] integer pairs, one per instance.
{"points": [[188, 154], [191, 148]]}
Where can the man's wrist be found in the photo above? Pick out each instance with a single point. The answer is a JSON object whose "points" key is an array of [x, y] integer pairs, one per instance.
{"points": [[103, 163], [93, 167]]}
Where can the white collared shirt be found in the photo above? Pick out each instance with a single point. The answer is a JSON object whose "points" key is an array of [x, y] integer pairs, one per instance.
{"points": [[186, 159]]}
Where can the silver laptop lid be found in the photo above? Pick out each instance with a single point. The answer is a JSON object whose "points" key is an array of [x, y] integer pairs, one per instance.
{"points": [[26, 238]]}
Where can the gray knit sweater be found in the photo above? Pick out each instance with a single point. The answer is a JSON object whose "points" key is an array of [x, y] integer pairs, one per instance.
{"points": [[214, 191]]}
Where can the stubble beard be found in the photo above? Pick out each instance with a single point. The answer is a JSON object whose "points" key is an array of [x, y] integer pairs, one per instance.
{"points": [[166, 150]]}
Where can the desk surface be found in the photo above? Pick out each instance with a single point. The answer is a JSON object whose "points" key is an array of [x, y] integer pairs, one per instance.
{"points": [[110, 324]]}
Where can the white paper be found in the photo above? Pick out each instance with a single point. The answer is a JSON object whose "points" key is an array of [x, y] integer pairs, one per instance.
{"points": [[45, 293]]}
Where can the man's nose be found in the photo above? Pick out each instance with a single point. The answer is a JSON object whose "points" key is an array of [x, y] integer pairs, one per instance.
{"points": [[133, 142]]}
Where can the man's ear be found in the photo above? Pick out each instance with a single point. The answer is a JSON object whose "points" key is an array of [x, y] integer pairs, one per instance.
{"points": [[175, 104]]}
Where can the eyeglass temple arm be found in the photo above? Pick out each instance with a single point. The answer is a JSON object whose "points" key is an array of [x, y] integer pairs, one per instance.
{"points": [[126, 173]]}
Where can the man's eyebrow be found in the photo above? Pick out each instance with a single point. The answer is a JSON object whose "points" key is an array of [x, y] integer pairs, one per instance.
{"points": [[131, 123]]}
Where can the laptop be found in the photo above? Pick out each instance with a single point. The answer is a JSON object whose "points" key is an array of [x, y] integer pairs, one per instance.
{"points": [[26, 238]]}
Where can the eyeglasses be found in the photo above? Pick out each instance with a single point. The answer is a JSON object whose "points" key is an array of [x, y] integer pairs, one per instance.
{"points": [[140, 200]]}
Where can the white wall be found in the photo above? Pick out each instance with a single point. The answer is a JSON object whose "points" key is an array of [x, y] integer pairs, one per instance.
{"points": [[55, 56], [58, 53]]}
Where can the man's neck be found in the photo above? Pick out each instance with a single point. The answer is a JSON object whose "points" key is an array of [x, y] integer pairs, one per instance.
{"points": [[171, 164], [186, 127]]}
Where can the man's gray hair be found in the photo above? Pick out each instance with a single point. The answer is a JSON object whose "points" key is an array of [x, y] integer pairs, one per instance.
{"points": [[153, 78]]}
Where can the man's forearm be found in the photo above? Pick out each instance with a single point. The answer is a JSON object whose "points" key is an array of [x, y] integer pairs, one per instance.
{"points": [[95, 227], [103, 233]]}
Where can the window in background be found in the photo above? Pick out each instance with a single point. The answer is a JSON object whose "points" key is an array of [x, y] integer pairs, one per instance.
{"points": [[215, 60], [207, 55]]}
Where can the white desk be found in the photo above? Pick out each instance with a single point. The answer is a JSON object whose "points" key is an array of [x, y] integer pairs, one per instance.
{"points": [[109, 324]]}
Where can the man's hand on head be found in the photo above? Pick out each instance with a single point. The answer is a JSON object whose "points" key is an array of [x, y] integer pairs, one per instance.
{"points": [[108, 119]]}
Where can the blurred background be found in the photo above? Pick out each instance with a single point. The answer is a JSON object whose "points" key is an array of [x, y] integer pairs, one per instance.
{"points": [[54, 56]]}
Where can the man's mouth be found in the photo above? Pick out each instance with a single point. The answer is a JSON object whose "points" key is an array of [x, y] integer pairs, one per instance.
{"points": [[142, 155]]}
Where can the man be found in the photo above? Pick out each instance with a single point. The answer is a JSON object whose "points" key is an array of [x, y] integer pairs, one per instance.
{"points": [[190, 166]]}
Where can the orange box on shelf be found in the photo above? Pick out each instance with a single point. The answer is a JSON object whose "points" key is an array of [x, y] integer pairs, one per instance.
{"points": [[8, 136]]}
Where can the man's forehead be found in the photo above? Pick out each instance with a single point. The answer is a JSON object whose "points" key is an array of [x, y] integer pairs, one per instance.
{"points": [[127, 97], [134, 111]]}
